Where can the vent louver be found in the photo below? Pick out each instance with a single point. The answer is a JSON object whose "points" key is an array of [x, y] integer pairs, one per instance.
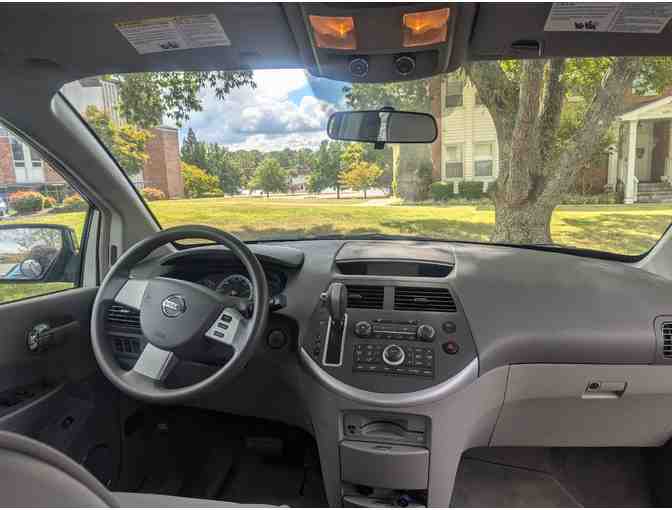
{"points": [[119, 315], [365, 296], [423, 299], [666, 330]]}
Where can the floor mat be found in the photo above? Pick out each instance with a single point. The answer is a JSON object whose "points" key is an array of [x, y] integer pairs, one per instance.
{"points": [[201, 454], [552, 477]]}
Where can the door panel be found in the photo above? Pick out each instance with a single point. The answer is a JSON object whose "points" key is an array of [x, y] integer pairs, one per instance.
{"points": [[58, 395]]}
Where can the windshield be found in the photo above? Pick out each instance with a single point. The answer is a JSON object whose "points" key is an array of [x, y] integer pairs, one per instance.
{"points": [[567, 152]]}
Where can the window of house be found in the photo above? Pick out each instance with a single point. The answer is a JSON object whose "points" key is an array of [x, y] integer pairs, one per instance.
{"points": [[483, 159], [454, 94], [454, 165], [39, 253]]}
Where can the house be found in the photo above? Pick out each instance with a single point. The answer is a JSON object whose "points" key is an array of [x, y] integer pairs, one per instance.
{"points": [[466, 149], [640, 165], [22, 168]]}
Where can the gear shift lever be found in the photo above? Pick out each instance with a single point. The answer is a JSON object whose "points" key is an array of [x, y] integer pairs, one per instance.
{"points": [[336, 299]]}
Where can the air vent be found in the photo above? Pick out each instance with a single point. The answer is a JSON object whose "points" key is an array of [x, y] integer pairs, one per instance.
{"points": [[365, 296], [119, 315], [666, 329], [423, 299], [126, 345]]}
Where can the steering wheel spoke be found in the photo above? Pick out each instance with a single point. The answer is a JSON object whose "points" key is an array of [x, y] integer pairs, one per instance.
{"points": [[131, 293], [155, 363]]}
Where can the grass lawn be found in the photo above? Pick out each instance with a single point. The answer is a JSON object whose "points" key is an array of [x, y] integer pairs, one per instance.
{"points": [[627, 229]]}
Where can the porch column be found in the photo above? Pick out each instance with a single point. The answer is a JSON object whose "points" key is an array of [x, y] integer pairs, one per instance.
{"points": [[630, 191], [612, 172]]}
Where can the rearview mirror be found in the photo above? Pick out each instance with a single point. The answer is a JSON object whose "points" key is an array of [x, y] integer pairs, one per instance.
{"points": [[382, 126], [37, 253]]}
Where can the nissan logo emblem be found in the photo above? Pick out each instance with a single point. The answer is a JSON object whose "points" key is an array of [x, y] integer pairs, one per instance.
{"points": [[173, 306]]}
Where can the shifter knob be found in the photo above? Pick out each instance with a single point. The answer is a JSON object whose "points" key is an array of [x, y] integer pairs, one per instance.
{"points": [[336, 299]]}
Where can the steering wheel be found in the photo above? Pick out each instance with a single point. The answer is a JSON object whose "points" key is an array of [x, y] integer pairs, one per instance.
{"points": [[178, 319]]}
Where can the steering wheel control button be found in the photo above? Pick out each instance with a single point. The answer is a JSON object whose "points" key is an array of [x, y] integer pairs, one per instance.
{"points": [[449, 327], [225, 327], [426, 333], [450, 348], [393, 355], [363, 329]]}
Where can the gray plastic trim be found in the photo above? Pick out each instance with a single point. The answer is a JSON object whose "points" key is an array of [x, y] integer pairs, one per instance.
{"points": [[328, 337], [468, 375]]}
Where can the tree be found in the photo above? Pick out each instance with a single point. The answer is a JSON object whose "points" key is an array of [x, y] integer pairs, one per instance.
{"points": [[126, 142], [361, 176], [327, 167], [146, 98], [197, 182], [194, 151], [544, 140], [220, 165], [540, 149], [270, 177]]}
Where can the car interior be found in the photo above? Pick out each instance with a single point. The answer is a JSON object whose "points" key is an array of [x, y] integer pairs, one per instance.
{"points": [[347, 370]]}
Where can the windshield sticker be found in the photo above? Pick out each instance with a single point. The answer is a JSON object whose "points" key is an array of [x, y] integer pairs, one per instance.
{"points": [[635, 18], [157, 35]]}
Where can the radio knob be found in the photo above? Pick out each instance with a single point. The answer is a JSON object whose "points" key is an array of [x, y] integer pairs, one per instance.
{"points": [[393, 355], [363, 329], [426, 333]]}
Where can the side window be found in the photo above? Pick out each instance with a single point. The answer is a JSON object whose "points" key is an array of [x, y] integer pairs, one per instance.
{"points": [[42, 222]]}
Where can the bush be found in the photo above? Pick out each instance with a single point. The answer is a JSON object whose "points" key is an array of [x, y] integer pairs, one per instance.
{"points": [[73, 203], [197, 182], [601, 198], [24, 202], [472, 190], [49, 202], [151, 194], [441, 191]]}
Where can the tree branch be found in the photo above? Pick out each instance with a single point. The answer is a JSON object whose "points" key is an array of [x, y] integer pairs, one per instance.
{"points": [[551, 109], [603, 110]]}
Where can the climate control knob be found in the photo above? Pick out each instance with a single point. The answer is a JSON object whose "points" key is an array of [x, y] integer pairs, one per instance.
{"points": [[393, 355], [426, 333], [363, 329]]}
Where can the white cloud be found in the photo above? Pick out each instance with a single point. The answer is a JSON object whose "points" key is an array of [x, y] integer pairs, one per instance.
{"points": [[268, 115]]}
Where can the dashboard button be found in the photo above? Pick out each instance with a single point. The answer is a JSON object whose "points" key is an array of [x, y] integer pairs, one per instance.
{"points": [[363, 329], [393, 355], [426, 333], [449, 327], [450, 348]]}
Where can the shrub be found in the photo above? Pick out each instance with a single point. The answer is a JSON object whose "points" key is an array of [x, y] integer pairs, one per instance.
{"points": [[73, 203], [151, 194], [602, 198], [472, 190], [197, 182], [24, 202], [441, 191], [49, 202]]}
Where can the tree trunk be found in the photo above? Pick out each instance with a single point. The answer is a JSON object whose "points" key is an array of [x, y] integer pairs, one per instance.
{"points": [[338, 191], [364, 194], [528, 223]]}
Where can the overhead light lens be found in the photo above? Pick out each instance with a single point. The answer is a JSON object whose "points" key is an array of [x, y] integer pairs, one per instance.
{"points": [[425, 27], [334, 32]]}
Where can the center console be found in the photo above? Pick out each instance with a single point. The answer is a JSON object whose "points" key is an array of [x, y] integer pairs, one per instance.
{"points": [[385, 331]]}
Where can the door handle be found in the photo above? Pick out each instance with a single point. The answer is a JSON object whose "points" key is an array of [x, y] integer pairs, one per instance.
{"points": [[605, 389], [42, 336]]}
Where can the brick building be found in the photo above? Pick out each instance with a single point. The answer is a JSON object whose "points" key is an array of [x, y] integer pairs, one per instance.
{"points": [[22, 168]]}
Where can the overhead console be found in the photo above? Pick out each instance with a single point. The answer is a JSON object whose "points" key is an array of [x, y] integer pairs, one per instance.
{"points": [[390, 325]]}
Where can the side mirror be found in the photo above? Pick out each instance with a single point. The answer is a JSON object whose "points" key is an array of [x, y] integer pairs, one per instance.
{"points": [[38, 253], [382, 126]]}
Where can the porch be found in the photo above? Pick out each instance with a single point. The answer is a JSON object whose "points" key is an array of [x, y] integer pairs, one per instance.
{"points": [[640, 165]]}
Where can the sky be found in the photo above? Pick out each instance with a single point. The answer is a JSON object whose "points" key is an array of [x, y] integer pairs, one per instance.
{"points": [[288, 108]]}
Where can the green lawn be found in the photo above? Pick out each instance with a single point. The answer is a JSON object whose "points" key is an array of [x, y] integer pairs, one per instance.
{"points": [[627, 229]]}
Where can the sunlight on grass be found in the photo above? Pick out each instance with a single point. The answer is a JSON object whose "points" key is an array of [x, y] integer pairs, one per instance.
{"points": [[626, 229]]}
